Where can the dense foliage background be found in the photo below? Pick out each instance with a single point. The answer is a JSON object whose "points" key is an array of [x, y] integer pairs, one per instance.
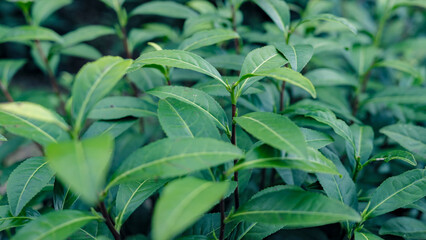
{"points": [[259, 119]]}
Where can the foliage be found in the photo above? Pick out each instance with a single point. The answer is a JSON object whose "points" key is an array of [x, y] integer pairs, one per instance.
{"points": [[230, 119]]}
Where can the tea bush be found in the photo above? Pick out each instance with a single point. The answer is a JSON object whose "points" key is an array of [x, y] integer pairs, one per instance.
{"points": [[222, 120]]}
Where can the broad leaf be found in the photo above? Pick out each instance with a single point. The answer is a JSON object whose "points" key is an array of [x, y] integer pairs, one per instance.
{"points": [[411, 137], [400, 66], [122, 106], [254, 230], [182, 202], [396, 192], [54, 225], [82, 165], [366, 236], [275, 130], [164, 8], [86, 33], [196, 98], [226, 61], [93, 82], [287, 75], [316, 139], [172, 157], [180, 119], [180, 59], [331, 18], [113, 128], [257, 60], [28, 179], [26, 33], [8, 221], [294, 208], [131, 195], [363, 139], [3, 138], [321, 77], [43, 8], [362, 58], [278, 11], [392, 95], [8, 68], [206, 38], [405, 227], [298, 55], [264, 157]]}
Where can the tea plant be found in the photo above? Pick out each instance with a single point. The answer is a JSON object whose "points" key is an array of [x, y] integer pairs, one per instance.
{"points": [[225, 126]]}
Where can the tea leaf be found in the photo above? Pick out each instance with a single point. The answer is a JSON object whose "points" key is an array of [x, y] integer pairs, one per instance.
{"points": [[206, 38], [332, 18], [26, 33], [409, 136], [8, 68], [84, 34], [404, 227], [165, 9], [298, 55], [122, 106], [278, 11], [8, 221], [395, 154], [44, 8], [366, 236]]}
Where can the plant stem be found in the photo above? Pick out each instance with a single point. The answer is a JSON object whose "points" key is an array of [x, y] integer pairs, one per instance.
{"points": [[126, 43], [222, 219], [358, 168], [234, 27], [233, 141], [109, 221], [282, 96], [364, 82], [6, 92], [52, 78]]}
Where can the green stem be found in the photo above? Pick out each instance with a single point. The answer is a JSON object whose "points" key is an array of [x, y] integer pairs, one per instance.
{"points": [[108, 220], [6, 92]]}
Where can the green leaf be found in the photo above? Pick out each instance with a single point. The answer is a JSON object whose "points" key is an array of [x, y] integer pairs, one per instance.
{"points": [[32, 111], [409, 3], [86, 33], [278, 11], [113, 128], [226, 61], [165, 9], [294, 208], [207, 38], [83, 51], [275, 130], [254, 230], [8, 221], [363, 139], [54, 225], [122, 106], [28, 179], [26, 33], [298, 55], [316, 139], [395, 154], [131, 195], [8, 68], [180, 119], [411, 137], [264, 157], [396, 192], [26, 119], [398, 95], [182, 202], [287, 75], [331, 18], [82, 165], [173, 157], [3, 138], [196, 98], [44, 8], [405, 227], [400, 66], [257, 60], [366, 236], [93, 82], [180, 59]]}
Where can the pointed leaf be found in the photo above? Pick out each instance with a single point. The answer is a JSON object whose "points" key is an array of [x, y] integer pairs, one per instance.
{"points": [[226, 61], [174, 157], [329, 77], [396, 192], [362, 58], [196, 98], [401, 66], [28, 179], [331, 18], [3, 138], [8, 221], [366, 236], [405, 227], [411, 137], [297, 55], [294, 208], [182, 202], [164, 8], [395, 154], [82, 165], [363, 139], [113, 128], [180, 119], [86, 33], [206, 38], [288, 75], [180, 59], [278, 11], [275, 130], [93, 82], [257, 60], [316, 139], [54, 225], [131, 195], [122, 106], [26, 33], [43, 8], [8, 68]]}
